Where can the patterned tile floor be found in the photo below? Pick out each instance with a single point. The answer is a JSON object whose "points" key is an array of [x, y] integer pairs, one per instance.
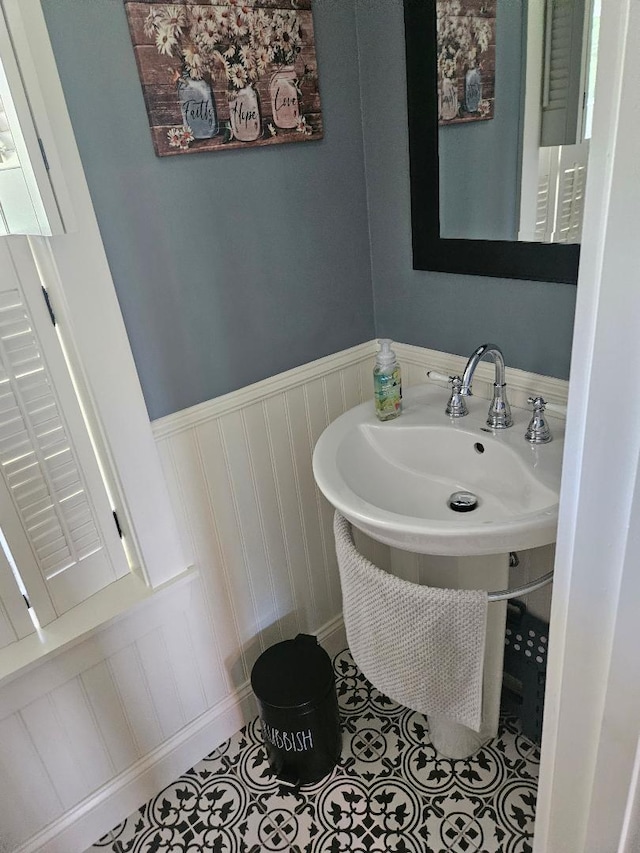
{"points": [[391, 793]]}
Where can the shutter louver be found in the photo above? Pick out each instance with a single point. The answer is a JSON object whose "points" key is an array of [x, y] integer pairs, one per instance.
{"points": [[562, 90], [546, 196], [562, 177], [542, 210], [573, 178], [36, 457], [66, 547]]}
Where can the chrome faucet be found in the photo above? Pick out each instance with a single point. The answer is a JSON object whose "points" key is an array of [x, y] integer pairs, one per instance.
{"points": [[499, 412]]}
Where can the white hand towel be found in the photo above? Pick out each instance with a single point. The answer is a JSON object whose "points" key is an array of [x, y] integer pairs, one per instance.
{"points": [[422, 647]]}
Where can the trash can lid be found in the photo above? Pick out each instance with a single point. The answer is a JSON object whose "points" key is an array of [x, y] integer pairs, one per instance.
{"points": [[293, 673]]}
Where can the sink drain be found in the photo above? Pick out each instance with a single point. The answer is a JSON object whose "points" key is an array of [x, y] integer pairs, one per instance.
{"points": [[462, 502]]}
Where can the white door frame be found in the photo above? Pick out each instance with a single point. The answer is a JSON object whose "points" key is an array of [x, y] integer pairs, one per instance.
{"points": [[592, 713]]}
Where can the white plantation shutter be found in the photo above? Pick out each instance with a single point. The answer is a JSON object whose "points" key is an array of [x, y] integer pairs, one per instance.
{"points": [[15, 622], [563, 72], [542, 209], [571, 188], [547, 194], [54, 509], [562, 180]]}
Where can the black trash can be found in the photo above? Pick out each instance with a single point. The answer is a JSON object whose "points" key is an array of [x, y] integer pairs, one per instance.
{"points": [[295, 687]]}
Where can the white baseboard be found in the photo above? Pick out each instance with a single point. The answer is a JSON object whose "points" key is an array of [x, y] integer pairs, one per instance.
{"points": [[80, 827], [333, 637]]}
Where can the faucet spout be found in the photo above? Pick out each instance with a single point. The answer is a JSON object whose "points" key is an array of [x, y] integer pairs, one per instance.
{"points": [[492, 351], [499, 412]]}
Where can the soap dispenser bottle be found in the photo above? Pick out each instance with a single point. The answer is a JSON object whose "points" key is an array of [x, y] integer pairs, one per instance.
{"points": [[387, 384]]}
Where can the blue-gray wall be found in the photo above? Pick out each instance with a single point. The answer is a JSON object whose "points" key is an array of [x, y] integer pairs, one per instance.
{"points": [[532, 321], [236, 265], [480, 161], [229, 266]]}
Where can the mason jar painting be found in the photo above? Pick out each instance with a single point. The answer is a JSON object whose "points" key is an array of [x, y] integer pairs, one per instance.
{"points": [[198, 107], [285, 104], [244, 114], [447, 100], [219, 74], [472, 90], [467, 53]]}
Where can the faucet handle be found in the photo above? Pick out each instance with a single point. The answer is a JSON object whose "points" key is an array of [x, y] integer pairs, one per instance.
{"points": [[456, 407], [538, 431], [438, 377]]}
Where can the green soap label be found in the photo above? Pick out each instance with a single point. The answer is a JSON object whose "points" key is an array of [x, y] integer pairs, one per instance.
{"points": [[388, 392]]}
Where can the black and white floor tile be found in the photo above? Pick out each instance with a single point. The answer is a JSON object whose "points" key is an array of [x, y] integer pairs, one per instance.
{"points": [[391, 793]]}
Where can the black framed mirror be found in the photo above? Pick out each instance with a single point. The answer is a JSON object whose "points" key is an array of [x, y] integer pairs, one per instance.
{"points": [[552, 262]]}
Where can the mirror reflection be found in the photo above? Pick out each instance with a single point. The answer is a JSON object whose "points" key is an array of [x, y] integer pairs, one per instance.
{"points": [[515, 103]]}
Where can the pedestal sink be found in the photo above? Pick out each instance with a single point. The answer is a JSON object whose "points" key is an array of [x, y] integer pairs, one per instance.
{"points": [[394, 482]]}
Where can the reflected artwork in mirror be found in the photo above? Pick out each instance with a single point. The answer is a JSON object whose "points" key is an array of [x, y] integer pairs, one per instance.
{"points": [[499, 133]]}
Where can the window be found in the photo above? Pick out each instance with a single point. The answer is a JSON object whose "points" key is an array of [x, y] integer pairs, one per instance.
{"points": [[54, 509], [27, 200], [55, 513], [561, 63]]}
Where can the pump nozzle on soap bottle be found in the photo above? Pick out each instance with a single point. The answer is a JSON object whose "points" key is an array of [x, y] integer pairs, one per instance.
{"points": [[387, 383]]}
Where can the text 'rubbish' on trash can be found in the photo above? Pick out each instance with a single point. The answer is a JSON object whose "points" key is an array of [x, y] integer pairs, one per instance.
{"points": [[294, 684]]}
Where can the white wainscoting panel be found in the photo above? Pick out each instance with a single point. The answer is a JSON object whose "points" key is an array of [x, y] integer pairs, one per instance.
{"points": [[240, 478], [29, 799], [93, 732], [69, 727]]}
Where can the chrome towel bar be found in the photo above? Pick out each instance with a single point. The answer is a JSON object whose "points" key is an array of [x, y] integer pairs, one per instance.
{"points": [[504, 594]]}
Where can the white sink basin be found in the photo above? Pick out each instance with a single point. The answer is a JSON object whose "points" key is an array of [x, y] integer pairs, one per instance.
{"points": [[393, 480]]}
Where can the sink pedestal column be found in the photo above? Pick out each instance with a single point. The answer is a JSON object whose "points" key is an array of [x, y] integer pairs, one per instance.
{"points": [[451, 739]]}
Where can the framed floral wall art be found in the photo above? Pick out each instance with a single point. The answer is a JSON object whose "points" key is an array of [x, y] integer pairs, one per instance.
{"points": [[226, 74], [466, 60]]}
